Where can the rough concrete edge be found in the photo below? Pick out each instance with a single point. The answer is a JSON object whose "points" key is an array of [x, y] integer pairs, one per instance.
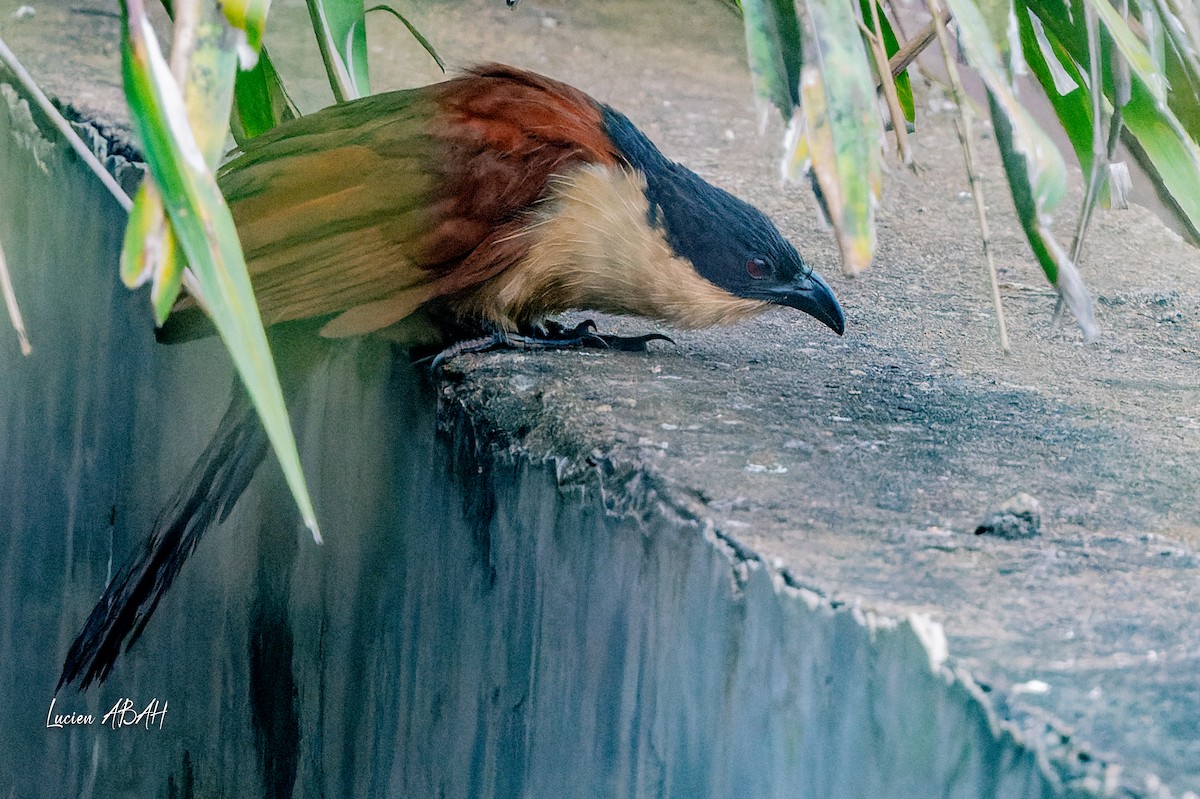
{"points": [[1068, 765], [631, 489], [109, 141]]}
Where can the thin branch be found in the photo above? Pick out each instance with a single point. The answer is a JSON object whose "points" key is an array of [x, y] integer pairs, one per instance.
{"points": [[888, 86], [964, 136], [916, 45], [1099, 160], [14, 312]]}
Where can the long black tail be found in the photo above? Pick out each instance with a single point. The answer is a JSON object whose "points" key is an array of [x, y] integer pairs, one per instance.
{"points": [[208, 494]]}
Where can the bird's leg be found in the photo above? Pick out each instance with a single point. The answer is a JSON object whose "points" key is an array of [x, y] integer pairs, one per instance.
{"points": [[552, 335], [549, 335]]}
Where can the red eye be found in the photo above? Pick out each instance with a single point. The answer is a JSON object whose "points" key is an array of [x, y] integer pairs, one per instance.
{"points": [[758, 268]]}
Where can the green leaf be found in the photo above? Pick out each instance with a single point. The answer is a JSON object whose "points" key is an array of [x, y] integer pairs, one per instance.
{"points": [[1139, 58], [841, 129], [151, 251], [1056, 71], [986, 48], [1161, 141], [775, 50], [1055, 260], [206, 233], [250, 17], [1182, 24], [1170, 154], [342, 38], [892, 46], [260, 101], [416, 34], [1034, 168]]}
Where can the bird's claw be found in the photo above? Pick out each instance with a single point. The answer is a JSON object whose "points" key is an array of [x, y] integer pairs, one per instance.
{"points": [[549, 336]]}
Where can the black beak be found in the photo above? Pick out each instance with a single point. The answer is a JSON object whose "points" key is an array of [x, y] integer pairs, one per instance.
{"points": [[812, 295]]}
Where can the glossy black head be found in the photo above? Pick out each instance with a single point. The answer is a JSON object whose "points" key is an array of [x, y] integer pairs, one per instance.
{"points": [[731, 243]]}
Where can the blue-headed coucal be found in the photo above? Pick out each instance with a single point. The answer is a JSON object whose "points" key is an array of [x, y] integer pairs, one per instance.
{"points": [[489, 203]]}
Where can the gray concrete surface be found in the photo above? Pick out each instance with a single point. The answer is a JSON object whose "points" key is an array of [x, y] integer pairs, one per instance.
{"points": [[858, 469]]}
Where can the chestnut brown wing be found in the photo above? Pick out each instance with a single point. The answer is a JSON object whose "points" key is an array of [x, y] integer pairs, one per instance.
{"points": [[372, 208]]}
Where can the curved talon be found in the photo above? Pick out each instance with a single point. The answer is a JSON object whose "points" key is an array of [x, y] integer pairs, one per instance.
{"points": [[632, 343]]}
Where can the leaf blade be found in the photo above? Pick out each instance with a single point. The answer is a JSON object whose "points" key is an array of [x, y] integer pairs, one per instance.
{"points": [[206, 234]]}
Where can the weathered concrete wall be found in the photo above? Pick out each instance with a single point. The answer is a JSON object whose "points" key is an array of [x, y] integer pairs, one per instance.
{"points": [[472, 628]]}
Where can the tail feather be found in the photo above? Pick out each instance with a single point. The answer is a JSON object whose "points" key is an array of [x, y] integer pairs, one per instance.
{"points": [[207, 495]]}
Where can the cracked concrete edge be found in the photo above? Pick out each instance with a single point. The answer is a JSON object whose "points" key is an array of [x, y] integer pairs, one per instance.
{"points": [[632, 490], [110, 141]]}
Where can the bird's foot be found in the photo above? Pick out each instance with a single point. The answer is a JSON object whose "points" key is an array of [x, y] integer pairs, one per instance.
{"points": [[550, 335]]}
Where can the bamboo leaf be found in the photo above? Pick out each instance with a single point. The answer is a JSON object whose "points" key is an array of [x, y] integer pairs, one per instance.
{"points": [[1055, 260], [1182, 24], [1136, 53], [342, 39], [1032, 164], [260, 101], [1062, 82], [1166, 149], [986, 47], [206, 233], [1158, 138], [774, 46], [137, 258], [151, 251], [841, 127]]}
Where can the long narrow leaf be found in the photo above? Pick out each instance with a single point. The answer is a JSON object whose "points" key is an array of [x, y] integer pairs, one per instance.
{"points": [[1136, 53], [202, 60], [342, 38], [1062, 82], [206, 233], [260, 101], [1034, 168], [776, 54], [1167, 151], [1055, 261], [841, 130]]}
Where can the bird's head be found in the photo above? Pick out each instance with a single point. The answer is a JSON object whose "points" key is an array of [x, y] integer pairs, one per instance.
{"points": [[729, 242]]}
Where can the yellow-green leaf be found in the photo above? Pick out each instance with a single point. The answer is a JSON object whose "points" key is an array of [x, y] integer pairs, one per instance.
{"points": [[151, 251], [204, 226], [842, 128], [774, 47], [250, 17]]}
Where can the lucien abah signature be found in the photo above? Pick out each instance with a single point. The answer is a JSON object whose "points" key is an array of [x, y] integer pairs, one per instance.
{"points": [[122, 715]]}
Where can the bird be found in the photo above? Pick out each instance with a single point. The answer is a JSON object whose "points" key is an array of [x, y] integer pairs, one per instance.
{"points": [[481, 207]]}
